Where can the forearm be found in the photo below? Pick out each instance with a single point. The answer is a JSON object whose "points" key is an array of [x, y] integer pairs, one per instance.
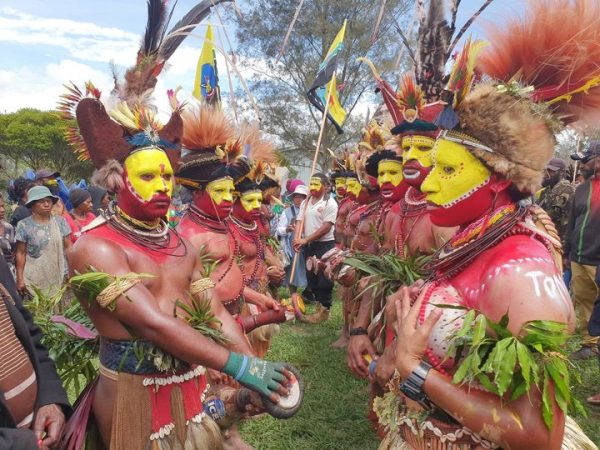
{"points": [[237, 341], [20, 264], [180, 340], [319, 233], [251, 296], [363, 317], [516, 424]]}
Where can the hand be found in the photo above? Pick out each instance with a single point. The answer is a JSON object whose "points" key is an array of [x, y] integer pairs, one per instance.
{"points": [[21, 288], [276, 274], [267, 302], [412, 339], [299, 243], [290, 228], [386, 365], [50, 420], [265, 377], [357, 348]]}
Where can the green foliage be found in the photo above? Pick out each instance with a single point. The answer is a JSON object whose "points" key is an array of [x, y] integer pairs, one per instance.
{"points": [[200, 317], [388, 271], [76, 359], [280, 89], [510, 365], [34, 138]]}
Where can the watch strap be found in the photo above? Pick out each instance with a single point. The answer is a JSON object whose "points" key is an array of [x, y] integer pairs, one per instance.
{"points": [[358, 331]]}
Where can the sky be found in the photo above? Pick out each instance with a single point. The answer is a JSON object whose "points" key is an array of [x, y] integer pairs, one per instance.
{"points": [[46, 43]]}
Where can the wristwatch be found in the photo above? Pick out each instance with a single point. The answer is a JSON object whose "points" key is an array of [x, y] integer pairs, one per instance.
{"points": [[358, 331], [412, 386]]}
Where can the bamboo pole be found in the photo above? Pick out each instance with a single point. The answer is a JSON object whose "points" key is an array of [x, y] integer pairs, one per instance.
{"points": [[298, 230]]}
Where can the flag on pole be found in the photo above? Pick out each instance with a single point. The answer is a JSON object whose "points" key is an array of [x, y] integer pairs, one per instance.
{"points": [[206, 84], [325, 84]]}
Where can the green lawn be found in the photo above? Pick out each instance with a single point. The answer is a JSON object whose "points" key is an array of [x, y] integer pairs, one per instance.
{"points": [[333, 415]]}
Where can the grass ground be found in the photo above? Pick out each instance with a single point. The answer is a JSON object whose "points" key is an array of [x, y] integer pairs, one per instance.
{"points": [[333, 415]]}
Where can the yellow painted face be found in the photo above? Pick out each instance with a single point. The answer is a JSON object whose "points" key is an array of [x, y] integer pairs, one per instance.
{"points": [[353, 187], [315, 184], [340, 183], [455, 175], [221, 190], [389, 172], [149, 173], [418, 148], [251, 201]]}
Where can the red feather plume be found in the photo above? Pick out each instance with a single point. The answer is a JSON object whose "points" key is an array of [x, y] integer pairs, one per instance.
{"points": [[555, 48]]}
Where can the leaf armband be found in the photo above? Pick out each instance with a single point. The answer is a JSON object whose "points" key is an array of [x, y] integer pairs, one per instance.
{"points": [[201, 285], [105, 288]]}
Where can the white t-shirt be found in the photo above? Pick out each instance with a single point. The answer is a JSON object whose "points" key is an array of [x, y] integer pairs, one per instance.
{"points": [[325, 210]]}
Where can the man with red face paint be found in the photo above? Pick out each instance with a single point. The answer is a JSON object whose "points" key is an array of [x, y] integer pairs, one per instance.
{"points": [[208, 169], [505, 259], [132, 237]]}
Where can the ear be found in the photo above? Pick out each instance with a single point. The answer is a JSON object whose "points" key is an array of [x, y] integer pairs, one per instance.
{"points": [[500, 185]]}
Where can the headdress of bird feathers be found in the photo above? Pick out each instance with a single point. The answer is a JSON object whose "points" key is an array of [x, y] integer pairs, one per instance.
{"points": [[107, 137], [211, 148], [262, 157], [546, 74], [420, 98]]}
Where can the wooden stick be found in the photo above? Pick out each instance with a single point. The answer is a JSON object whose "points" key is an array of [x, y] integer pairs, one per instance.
{"points": [[298, 230], [289, 31]]}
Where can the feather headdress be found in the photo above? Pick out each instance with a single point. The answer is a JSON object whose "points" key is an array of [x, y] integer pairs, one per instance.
{"points": [[211, 149], [547, 73], [103, 135], [374, 138], [421, 99]]}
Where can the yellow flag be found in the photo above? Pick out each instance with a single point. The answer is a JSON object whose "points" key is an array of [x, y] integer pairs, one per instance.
{"points": [[206, 84]]}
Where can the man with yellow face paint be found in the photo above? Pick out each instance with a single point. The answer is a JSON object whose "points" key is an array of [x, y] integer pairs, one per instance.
{"points": [[133, 237], [504, 264]]}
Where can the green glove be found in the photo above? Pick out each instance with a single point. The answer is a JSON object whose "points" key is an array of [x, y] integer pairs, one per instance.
{"points": [[257, 374]]}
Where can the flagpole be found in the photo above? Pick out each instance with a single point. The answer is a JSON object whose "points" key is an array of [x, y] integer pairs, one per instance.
{"points": [[298, 230]]}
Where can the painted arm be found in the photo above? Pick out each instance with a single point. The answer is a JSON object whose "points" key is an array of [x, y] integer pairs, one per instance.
{"points": [[507, 287], [361, 344]]}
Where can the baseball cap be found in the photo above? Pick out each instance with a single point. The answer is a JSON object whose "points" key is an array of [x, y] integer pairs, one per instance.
{"points": [[556, 164], [301, 190], [46, 173], [591, 151]]}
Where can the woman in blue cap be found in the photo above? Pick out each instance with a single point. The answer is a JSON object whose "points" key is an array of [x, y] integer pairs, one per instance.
{"points": [[42, 242]]}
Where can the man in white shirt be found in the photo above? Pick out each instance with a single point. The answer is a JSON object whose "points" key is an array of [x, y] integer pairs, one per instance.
{"points": [[317, 239]]}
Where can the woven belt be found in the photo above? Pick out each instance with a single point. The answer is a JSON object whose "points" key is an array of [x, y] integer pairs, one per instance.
{"points": [[128, 356]]}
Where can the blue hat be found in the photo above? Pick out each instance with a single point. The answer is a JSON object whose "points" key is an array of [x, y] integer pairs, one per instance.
{"points": [[38, 193]]}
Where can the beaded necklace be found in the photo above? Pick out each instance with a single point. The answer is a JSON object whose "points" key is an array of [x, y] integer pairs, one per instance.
{"points": [[204, 220], [155, 237], [250, 234]]}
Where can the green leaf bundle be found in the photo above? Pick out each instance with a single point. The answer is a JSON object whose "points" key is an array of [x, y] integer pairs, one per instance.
{"points": [[510, 366], [199, 316]]}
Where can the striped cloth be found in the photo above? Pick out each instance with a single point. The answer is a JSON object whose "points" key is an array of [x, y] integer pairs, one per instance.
{"points": [[18, 382]]}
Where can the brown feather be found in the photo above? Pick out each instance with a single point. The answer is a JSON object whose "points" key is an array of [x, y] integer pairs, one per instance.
{"points": [[205, 127], [260, 148]]}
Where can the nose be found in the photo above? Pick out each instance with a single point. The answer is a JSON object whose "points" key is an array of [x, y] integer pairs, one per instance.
{"points": [[228, 197], [430, 185]]}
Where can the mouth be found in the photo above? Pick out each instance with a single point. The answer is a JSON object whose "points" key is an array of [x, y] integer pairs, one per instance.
{"points": [[412, 170]]}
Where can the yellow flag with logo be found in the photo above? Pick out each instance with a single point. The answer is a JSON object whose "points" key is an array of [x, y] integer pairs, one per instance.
{"points": [[206, 84]]}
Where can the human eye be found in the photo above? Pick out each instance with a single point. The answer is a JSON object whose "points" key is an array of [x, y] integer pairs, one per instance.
{"points": [[147, 176], [448, 170]]}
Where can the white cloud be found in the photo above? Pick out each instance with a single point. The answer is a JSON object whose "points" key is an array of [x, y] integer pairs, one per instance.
{"points": [[82, 40], [25, 87]]}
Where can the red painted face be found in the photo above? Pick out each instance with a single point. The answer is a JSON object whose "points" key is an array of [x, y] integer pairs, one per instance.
{"points": [[471, 208], [145, 210], [204, 202], [242, 214], [392, 193]]}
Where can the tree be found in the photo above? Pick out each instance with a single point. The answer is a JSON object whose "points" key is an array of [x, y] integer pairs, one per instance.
{"points": [[34, 138], [281, 87]]}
